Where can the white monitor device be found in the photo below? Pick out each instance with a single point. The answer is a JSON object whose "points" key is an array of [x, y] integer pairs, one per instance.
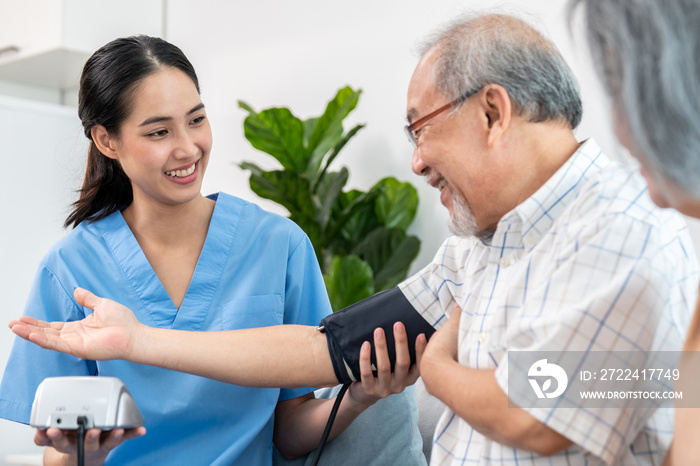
{"points": [[104, 401]]}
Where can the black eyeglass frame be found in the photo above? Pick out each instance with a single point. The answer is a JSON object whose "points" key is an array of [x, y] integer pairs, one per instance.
{"points": [[416, 125]]}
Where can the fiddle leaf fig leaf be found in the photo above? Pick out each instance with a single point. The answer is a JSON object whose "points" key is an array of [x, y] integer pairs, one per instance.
{"points": [[389, 251], [277, 132], [309, 126], [362, 220], [285, 188], [348, 281], [397, 204], [357, 204], [336, 150], [328, 194], [254, 169], [328, 129]]}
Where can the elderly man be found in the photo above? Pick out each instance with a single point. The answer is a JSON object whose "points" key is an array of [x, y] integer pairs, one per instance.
{"points": [[556, 248]]}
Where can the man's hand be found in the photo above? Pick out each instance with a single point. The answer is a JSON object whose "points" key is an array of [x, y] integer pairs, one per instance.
{"points": [[475, 396], [443, 347], [105, 334]]}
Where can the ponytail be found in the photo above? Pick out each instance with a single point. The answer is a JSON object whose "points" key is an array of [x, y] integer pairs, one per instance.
{"points": [[106, 189]]}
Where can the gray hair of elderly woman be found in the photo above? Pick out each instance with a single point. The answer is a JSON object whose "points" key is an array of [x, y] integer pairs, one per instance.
{"points": [[648, 55], [477, 50]]}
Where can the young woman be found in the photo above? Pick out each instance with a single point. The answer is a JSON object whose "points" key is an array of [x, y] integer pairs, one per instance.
{"points": [[145, 236]]}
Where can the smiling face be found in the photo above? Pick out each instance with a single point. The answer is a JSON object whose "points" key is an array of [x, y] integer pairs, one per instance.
{"points": [[451, 153], [163, 145]]}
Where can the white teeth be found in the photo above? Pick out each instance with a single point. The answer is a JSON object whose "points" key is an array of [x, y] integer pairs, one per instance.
{"points": [[181, 173], [442, 184]]}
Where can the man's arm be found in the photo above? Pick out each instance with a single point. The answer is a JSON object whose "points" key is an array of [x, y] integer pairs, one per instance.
{"points": [[475, 396]]}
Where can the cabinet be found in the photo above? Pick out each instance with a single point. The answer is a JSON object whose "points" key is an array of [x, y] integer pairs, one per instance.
{"points": [[46, 42]]}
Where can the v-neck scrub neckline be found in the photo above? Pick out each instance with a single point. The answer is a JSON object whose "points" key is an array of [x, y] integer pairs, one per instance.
{"points": [[205, 279]]}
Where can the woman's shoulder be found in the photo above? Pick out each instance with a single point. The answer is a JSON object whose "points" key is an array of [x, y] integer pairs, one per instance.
{"points": [[84, 239], [253, 216]]}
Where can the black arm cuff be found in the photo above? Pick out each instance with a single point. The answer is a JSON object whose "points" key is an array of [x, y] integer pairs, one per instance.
{"points": [[348, 329]]}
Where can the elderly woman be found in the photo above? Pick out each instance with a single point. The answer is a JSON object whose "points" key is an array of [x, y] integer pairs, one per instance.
{"points": [[647, 54]]}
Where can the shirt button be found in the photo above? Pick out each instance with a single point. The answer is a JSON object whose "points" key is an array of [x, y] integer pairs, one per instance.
{"points": [[483, 337], [504, 262], [529, 239]]}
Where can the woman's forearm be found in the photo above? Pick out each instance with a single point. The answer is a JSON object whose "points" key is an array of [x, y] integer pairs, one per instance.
{"points": [[285, 356], [52, 457], [300, 425]]}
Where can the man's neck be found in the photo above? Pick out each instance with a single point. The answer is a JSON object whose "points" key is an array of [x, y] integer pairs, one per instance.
{"points": [[542, 151]]}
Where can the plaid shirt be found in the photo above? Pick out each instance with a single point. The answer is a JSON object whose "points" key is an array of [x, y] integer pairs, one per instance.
{"points": [[587, 263]]}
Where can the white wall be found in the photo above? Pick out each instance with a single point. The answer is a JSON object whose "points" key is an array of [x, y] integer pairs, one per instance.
{"points": [[297, 54], [42, 149]]}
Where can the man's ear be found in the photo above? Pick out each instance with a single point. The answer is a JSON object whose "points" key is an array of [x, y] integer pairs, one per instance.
{"points": [[105, 143], [497, 106]]}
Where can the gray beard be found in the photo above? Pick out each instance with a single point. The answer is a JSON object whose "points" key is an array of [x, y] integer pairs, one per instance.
{"points": [[462, 222]]}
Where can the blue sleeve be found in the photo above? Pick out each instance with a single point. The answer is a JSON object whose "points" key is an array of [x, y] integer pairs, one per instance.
{"points": [[29, 364], [306, 300]]}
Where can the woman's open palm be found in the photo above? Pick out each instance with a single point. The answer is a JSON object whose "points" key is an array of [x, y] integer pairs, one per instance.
{"points": [[105, 334]]}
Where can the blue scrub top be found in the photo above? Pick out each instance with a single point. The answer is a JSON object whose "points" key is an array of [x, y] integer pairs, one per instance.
{"points": [[256, 269]]}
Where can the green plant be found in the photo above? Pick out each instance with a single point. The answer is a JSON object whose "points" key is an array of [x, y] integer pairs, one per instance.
{"points": [[359, 237]]}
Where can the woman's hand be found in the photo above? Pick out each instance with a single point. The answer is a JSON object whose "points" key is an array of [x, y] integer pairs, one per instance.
{"points": [[370, 389], [107, 333], [97, 443]]}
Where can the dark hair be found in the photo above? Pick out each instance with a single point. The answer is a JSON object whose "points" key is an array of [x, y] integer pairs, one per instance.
{"points": [[107, 85]]}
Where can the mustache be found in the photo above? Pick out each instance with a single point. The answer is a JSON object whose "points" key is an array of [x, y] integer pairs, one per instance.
{"points": [[434, 178]]}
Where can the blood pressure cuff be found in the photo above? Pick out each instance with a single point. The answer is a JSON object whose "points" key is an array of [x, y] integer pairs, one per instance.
{"points": [[347, 329]]}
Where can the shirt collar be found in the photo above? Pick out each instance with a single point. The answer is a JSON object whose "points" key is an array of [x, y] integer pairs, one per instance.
{"points": [[538, 213]]}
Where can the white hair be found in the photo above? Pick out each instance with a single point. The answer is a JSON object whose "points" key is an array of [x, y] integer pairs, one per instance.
{"points": [[480, 49], [648, 54]]}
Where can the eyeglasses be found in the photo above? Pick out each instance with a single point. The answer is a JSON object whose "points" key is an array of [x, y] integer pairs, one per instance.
{"points": [[413, 128]]}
